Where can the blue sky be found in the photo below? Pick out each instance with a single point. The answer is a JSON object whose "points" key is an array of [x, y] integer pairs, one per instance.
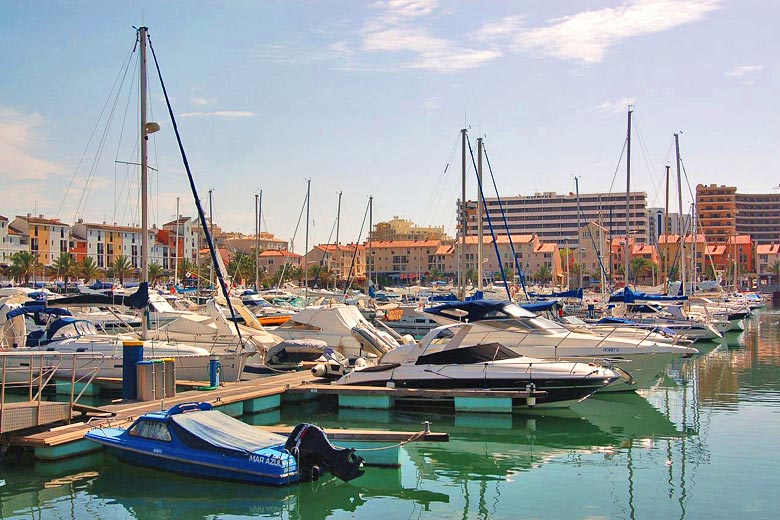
{"points": [[368, 98]]}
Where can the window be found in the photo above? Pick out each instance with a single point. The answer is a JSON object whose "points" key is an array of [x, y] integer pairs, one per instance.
{"points": [[151, 430]]}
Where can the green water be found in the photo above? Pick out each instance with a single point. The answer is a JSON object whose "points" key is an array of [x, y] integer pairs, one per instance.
{"points": [[702, 445]]}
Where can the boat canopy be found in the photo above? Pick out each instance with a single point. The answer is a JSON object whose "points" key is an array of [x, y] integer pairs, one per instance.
{"points": [[626, 295], [212, 429], [543, 306], [137, 300], [329, 318], [473, 354], [37, 309], [574, 293], [477, 310]]}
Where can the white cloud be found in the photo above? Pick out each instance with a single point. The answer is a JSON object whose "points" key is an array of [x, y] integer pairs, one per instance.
{"points": [[227, 114], [614, 107], [200, 101], [744, 70], [588, 36], [432, 103], [20, 144]]}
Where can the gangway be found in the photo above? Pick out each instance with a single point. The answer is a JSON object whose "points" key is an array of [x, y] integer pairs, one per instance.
{"points": [[24, 377]]}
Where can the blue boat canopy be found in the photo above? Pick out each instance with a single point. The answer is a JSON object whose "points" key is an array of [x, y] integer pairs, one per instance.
{"points": [[574, 293], [37, 309], [626, 295], [138, 300]]}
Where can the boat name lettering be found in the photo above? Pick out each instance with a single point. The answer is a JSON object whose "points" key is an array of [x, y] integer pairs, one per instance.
{"points": [[157, 450], [611, 349], [262, 459]]}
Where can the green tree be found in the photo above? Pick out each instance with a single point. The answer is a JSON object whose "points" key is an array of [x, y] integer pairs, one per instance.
{"points": [[544, 274], [121, 267], [66, 266], [242, 267], [23, 265], [639, 268], [186, 266], [88, 269], [775, 270], [470, 275], [154, 271], [434, 275], [574, 275]]}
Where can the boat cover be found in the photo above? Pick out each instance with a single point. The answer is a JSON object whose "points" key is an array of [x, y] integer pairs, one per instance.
{"points": [[222, 432], [477, 310]]}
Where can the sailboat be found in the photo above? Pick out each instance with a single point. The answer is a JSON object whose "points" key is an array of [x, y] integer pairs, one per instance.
{"points": [[66, 334]]}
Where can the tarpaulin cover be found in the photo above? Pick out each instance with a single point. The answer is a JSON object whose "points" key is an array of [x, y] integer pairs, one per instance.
{"points": [[224, 432]]}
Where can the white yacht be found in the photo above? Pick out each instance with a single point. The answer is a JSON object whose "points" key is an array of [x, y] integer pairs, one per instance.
{"points": [[455, 362], [528, 334]]}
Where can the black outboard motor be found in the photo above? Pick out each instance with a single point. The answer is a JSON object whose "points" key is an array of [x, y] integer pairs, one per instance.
{"points": [[316, 455]]}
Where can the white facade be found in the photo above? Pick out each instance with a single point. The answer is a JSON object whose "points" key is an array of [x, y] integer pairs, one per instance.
{"points": [[10, 242], [105, 243]]}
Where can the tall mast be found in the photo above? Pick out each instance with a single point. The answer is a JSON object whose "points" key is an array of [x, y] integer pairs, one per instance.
{"points": [[211, 232], [338, 225], [579, 227], [480, 204], [306, 247], [664, 258], [176, 246], [628, 196], [142, 35], [257, 239], [369, 258], [462, 252], [679, 200]]}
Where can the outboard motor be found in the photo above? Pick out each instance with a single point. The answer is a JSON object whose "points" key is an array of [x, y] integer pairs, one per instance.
{"points": [[316, 455]]}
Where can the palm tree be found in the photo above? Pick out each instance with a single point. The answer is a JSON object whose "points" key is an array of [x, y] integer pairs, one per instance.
{"points": [[88, 269], [24, 265], [121, 268], [575, 271], [155, 271], [186, 266], [639, 267], [775, 270], [470, 274], [66, 266], [544, 274], [242, 266]]}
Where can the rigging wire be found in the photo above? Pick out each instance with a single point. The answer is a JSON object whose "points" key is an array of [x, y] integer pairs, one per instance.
{"points": [[119, 142], [435, 199], [122, 72], [348, 283], [206, 231]]}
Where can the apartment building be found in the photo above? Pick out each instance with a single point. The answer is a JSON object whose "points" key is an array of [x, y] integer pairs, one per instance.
{"points": [[724, 213], [338, 259], [553, 217], [767, 256], [402, 229], [48, 238], [12, 241], [272, 261], [674, 224], [758, 215], [247, 243], [104, 242]]}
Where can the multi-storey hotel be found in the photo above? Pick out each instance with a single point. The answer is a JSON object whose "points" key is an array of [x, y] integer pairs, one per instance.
{"points": [[724, 213], [553, 217]]}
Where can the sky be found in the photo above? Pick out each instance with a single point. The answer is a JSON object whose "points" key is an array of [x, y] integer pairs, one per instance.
{"points": [[368, 99]]}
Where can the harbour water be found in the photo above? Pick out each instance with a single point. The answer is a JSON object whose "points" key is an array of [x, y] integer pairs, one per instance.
{"points": [[701, 445]]}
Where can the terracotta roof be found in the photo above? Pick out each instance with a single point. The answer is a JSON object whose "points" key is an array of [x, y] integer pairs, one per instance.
{"points": [[741, 239], [671, 239], [642, 249], [341, 247], [546, 248], [765, 249], [273, 252], [3, 218], [716, 249], [111, 227], [37, 220], [699, 238], [181, 220], [445, 250]]}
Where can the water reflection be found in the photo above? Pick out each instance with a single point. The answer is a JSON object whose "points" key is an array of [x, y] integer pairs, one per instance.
{"points": [[671, 452]]}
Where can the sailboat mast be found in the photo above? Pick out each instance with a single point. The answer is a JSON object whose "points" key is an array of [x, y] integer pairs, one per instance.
{"points": [[628, 197], [176, 246], [306, 247], [679, 200], [338, 225], [369, 258], [142, 35], [665, 260], [579, 234], [211, 232], [257, 240], [480, 203], [462, 252]]}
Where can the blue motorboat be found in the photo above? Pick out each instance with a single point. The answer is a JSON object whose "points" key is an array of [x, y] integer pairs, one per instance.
{"points": [[196, 440]]}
